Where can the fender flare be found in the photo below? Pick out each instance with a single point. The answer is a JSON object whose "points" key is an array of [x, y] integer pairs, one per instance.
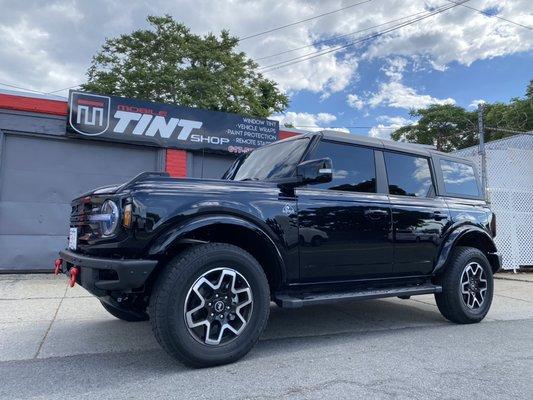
{"points": [[450, 242], [176, 234]]}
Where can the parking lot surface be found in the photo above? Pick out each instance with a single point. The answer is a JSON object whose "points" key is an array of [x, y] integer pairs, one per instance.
{"points": [[57, 343]]}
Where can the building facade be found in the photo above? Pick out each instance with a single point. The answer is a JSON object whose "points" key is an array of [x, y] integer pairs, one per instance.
{"points": [[43, 167]]}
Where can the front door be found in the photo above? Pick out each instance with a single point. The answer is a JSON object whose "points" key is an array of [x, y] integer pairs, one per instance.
{"points": [[345, 227]]}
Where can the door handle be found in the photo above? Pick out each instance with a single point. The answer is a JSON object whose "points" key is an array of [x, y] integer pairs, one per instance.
{"points": [[376, 214]]}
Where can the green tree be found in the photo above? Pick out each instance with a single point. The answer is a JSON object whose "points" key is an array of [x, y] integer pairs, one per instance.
{"points": [[445, 126], [169, 64], [451, 127]]}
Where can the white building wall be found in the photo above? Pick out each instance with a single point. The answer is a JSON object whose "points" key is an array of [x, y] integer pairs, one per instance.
{"points": [[510, 192]]}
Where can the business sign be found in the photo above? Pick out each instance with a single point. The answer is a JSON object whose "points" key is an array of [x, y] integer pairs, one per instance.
{"points": [[129, 120]]}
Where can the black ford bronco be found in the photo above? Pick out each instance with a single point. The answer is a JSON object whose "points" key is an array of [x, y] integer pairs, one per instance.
{"points": [[314, 219]]}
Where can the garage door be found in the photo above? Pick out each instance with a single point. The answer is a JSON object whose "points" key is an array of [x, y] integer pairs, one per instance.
{"points": [[38, 179]]}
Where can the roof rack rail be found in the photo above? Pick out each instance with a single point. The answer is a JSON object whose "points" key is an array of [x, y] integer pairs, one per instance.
{"points": [[140, 177]]}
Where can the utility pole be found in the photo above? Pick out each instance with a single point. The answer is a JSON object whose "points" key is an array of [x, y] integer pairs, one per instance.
{"points": [[482, 150]]}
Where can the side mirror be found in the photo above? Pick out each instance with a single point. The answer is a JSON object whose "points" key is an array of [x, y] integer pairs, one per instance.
{"points": [[315, 171]]}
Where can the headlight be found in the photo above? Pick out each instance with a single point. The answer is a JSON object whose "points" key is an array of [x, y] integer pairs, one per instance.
{"points": [[110, 211]]}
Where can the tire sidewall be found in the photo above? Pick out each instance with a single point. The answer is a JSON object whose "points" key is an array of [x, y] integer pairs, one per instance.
{"points": [[461, 263], [248, 267]]}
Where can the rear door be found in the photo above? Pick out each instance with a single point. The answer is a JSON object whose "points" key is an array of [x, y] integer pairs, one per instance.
{"points": [[419, 216], [344, 225]]}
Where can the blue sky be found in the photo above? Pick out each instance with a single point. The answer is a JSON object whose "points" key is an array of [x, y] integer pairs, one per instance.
{"points": [[493, 80], [457, 56]]}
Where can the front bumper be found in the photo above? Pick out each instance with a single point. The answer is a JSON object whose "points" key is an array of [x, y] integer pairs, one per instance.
{"points": [[103, 275]]}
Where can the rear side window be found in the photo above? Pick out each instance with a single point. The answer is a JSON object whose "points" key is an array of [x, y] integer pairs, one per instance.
{"points": [[459, 178], [354, 169], [408, 175]]}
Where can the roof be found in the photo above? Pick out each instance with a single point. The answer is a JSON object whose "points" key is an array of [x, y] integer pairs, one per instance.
{"points": [[33, 102], [420, 149]]}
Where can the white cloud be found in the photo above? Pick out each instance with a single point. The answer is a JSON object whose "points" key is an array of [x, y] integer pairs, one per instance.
{"points": [[388, 124], [355, 102], [475, 103], [396, 94], [325, 117], [459, 34], [49, 45], [304, 120]]}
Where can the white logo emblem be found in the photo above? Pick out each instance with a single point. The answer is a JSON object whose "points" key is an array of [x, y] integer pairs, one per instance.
{"points": [[288, 209], [89, 113]]}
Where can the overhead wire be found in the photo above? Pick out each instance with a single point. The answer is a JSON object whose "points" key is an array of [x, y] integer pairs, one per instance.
{"points": [[302, 21], [331, 39], [319, 53], [491, 15]]}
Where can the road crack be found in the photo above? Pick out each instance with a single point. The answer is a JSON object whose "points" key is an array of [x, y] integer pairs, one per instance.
{"points": [[50, 325]]}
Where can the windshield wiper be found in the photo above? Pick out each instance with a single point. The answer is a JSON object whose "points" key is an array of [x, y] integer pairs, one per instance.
{"points": [[249, 179]]}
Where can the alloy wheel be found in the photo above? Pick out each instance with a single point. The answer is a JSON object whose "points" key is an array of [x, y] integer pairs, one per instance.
{"points": [[473, 285], [218, 306]]}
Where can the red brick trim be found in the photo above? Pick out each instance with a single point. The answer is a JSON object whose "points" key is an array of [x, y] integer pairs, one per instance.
{"points": [[176, 163], [44, 106], [286, 134]]}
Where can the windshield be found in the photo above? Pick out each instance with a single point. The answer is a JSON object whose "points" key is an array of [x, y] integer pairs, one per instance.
{"points": [[271, 162]]}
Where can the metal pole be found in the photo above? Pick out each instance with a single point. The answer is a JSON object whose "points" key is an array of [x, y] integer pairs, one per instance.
{"points": [[482, 150]]}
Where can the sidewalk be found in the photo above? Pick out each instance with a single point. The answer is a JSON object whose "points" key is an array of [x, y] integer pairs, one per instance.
{"points": [[41, 317]]}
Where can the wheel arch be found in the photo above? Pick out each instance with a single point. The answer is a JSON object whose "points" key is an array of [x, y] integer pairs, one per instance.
{"points": [[468, 236], [224, 229]]}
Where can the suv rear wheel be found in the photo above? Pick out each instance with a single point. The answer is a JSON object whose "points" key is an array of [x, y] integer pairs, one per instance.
{"points": [[210, 305], [467, 287]]}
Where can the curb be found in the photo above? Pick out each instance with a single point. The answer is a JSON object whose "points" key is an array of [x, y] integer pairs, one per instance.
{"points": [[517, 279]]}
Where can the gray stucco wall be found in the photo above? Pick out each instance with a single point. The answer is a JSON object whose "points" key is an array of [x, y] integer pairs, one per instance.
{"points": [[208, 165], [40, 175], [42, 170]]}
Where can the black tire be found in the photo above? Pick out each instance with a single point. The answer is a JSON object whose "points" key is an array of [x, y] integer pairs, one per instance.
{"points": [[170, 292], [125, 315], [451, 302]]}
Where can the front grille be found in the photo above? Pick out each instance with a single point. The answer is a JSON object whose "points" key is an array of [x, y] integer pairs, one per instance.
{"points": [[82, 209]]}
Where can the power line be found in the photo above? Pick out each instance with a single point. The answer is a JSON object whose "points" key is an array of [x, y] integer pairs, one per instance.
{"points": [[490, 15], [340, 36], [261, 33], [302, 21], [319, 53], [67, 88], [21, 88]]}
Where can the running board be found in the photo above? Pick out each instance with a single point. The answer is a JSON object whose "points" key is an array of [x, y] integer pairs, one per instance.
{"points": [[307, 299]]}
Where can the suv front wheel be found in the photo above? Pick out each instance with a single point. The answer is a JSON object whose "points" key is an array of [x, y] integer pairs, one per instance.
{"points": [[467, 287], [210, 304]]}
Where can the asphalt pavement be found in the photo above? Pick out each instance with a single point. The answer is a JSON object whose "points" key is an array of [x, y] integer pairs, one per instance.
{"points": [[60, 343]]}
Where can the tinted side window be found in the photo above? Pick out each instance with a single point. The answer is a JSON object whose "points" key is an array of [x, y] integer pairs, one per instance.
{"points": [[408, 175], [459, 178], [354, 169]]}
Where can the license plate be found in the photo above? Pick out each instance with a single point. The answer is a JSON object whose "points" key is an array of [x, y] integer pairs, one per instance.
{"points": [[73, 238]]}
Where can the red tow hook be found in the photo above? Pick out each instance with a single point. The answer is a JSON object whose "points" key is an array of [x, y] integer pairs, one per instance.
{"points": [[74, 271], [57, 266]]}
